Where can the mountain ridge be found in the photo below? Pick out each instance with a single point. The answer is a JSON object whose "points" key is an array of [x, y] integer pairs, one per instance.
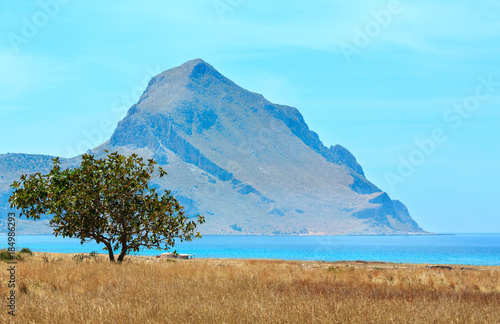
{"points": [[250, 166]]}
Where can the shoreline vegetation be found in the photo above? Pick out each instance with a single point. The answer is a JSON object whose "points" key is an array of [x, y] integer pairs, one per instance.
{"points": [[87, 288]]}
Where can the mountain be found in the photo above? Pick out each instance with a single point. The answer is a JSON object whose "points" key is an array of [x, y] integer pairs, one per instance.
{"points": [[248, 165], [12, 166]]}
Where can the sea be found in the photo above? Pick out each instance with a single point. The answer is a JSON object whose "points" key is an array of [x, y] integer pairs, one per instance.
{"points": [[462, 249]]}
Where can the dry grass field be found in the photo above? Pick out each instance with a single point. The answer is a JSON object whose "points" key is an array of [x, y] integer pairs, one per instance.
{"points": [[57, 288]]}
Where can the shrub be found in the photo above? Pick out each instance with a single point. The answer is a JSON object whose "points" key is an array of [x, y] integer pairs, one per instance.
{"points": [[26, 251], [5, 255]]}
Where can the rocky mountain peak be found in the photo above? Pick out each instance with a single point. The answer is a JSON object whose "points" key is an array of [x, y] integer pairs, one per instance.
{"points": [[249, 165], [189, 71]]}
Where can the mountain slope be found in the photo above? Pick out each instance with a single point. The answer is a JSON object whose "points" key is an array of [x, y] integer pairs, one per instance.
{"points": [[260, 162], [248, 165], [12, 166]]}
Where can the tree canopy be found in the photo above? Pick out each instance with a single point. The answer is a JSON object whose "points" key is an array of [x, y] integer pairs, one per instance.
{"points": [[108, 200]]}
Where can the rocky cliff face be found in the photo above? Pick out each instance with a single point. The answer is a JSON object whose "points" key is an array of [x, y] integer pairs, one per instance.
{"points": [[248, 165]]}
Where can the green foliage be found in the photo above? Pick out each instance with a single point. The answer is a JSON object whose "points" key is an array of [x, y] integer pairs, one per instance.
{"points": [[26, 251], [107, 200], [5, 255]]}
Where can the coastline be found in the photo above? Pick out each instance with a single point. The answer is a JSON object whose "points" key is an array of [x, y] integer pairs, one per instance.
{"points": [[313, 235], [319, 263], [465, 249]]}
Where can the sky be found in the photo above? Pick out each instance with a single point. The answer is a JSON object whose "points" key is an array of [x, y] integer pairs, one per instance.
{"points": [[411, 88]]}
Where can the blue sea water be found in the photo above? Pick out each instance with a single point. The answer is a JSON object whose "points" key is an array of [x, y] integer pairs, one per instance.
{"points": [[465, 249]]}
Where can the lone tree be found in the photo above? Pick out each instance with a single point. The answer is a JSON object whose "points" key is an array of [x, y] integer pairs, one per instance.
{"points": [[107, 200]]}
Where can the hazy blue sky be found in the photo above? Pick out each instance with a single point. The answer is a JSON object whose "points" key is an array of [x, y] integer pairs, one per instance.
{"points": [[373, 76]]}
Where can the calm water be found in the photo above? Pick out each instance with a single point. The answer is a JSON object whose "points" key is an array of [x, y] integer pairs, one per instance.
{"points": [[469, 249]]}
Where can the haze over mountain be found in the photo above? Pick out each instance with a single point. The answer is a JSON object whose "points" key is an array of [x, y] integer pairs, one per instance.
{"points": [[248, 165]]}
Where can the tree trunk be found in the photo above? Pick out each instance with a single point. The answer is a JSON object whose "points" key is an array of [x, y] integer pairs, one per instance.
{"points": [[110, 252], [122, 253]]}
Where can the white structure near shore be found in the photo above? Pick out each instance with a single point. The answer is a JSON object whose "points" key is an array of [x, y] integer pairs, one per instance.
{"points": [[172, 255]]}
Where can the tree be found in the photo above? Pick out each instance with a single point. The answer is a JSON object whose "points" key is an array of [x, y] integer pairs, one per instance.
{"points": [[107, 200]]}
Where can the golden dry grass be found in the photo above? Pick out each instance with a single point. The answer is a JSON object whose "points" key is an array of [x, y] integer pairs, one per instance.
{"points": [[56, 289]]}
